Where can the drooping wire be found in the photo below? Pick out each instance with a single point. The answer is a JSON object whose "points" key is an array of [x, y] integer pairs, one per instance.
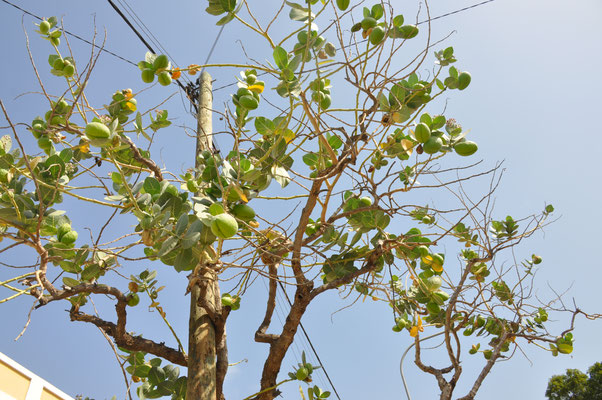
{"points": [[73, 34], [148, 46], [189, 90], [455, 12], [280, 294], [214, 44], [313, 349], [419, 23], [149, 34]]}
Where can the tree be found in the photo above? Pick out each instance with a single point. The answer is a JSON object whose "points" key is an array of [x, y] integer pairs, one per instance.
{"points": [[575, 385], [356, 165]]}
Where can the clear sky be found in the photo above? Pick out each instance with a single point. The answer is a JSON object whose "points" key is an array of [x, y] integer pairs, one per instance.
{"points": [[534, 102]]}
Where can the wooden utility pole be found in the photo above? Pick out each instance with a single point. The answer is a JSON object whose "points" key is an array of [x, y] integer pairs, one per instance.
{"points": [[201, 337]]}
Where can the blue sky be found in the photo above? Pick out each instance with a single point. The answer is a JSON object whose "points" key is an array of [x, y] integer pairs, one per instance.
{"points": [[534, 103]]}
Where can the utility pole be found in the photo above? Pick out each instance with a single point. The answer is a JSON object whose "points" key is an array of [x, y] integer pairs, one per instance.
{"points": [[202, 339]]}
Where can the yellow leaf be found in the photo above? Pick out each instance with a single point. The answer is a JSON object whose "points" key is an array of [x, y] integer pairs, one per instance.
{"points": [[241, 194], [130, 106], [33, 162], [414, 331], [84, 148], [408, 146], [288, 135], [257, 88]]}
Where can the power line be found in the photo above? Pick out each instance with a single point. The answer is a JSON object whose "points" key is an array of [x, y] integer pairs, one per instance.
{"points": [[456, 11], [148, 46], [191, 89], [313, 349], [363, 41], [214, 44], [149, 34], [73, 34], [118, 11], [319, 374]]}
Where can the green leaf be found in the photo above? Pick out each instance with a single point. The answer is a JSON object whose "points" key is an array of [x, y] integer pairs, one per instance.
{"points": [[215, 8], [297, 6], [172, 372], [179, 388], [185, 261], [181, 224], [155, 362], [116, 177], [70, 267], [226, 19], [193, 234], [141, 371], [438, 122], [90, 272], [264, 126], [311, 159], [70, 282], [343, 4], [280, 57], [383, 102], [295, 62], [301, 15], [377, 11], [152, 186], [156, 376], [453, 72], [335, 141], [228, 5], [55, 165], [408, 31], [167, 246], [52, 58], [66, 155]]}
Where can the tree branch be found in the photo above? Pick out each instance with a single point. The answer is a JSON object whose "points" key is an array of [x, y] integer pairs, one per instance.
{"points": [[260, 335], [129, 342]]}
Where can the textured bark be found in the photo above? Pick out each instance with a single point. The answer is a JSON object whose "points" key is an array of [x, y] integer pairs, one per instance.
{"points": [[280, 346], [260, 335], [129, 342]]}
